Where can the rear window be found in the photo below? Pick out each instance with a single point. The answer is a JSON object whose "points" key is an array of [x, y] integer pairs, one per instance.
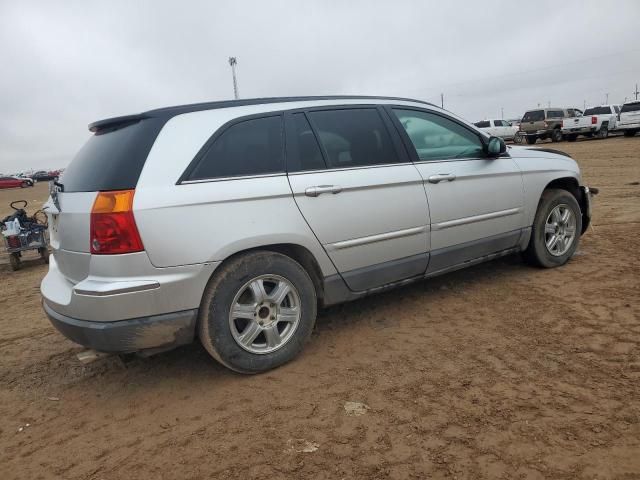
{"points": [[597, 111], [555, 114], [483, 124], [631, 107], [533, 116], [112, 159]]}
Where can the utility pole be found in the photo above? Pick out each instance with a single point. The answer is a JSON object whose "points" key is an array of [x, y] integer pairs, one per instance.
{"points": [[584, 105], [442, 100], [606, 102], [233, 62], [502, 113], [548, 103], [636, 92]]}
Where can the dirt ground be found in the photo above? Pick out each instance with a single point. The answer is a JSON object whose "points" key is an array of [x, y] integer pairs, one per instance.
{"points": [[499, 371]]}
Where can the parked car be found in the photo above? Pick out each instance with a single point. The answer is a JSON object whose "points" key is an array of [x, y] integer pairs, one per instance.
{"points": [[498, 128], [247, 215], [42, 175], [543, 123], [629, 120], [598, 121], [15, 182]]}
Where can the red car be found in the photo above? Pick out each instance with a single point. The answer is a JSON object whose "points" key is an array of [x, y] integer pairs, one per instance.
{"points": [[13, 182]]}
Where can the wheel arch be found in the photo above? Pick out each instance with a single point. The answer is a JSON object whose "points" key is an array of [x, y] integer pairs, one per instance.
{"points": [[571, 185], [296, 252]]}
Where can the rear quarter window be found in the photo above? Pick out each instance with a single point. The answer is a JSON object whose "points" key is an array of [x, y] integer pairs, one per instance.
{"points": [[112, 159], [249, 147]]}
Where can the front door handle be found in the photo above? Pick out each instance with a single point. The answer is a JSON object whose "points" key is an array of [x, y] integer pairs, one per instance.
{"points": [[320, 189], [450, 177]]}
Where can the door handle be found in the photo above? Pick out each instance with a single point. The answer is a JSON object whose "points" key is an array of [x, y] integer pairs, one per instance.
{"points": [[450, 177], [320, 189]]}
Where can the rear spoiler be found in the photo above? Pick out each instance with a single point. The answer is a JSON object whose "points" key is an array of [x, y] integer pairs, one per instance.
{"points": [[109, 123]]}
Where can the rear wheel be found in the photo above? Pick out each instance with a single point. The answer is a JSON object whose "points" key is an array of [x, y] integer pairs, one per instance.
{"points": [[257, 312], [556, 229], [556, 135], [25, 184], [531, 140], [14, 261], [603, 132], [517, 138]]}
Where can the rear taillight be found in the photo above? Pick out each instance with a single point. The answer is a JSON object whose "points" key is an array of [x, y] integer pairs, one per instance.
{"points": [[546, 125], [594, 120], [14, 241], [113, 228]]}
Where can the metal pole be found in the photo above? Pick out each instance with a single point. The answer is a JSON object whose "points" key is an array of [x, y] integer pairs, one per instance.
{"points": [[607, 99], [442, 100], [636, 92], [501, 113], [233, 62]]}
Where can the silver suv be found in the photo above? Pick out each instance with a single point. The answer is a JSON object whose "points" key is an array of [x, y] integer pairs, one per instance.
{"points": [[234, 221]]}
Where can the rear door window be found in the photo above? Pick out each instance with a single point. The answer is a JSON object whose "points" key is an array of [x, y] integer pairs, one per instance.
{"points": [[303, 151], [483, 124], [250, 147], [438, 138], [555, 114], [353, 137], [533, 116]]}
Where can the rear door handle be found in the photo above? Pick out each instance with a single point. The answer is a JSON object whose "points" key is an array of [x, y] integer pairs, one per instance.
{"points": [[320, 189], [450, 177]]}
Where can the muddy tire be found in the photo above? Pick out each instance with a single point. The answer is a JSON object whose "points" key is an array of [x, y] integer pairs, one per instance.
{"points": [[257, 312], [603, 132], [14, 261], [556, 230]]}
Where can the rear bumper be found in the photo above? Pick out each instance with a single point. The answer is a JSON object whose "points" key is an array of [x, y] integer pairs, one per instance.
{"points": [[154, 332], [579, 130]]}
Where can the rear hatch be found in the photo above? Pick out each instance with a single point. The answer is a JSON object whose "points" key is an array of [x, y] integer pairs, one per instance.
{"points": [[112, 159], [630, 113], [532, 121]]}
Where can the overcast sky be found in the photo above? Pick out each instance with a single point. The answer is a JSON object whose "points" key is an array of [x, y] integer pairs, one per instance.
{"points": [[64, 64]]}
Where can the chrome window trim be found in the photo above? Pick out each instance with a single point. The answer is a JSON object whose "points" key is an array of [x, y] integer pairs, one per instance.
{"points": [[225, 179], [344, 169]]}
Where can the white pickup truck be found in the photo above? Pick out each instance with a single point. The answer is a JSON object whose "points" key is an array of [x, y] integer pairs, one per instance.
{"points": [[629, 119], [598, 121]]}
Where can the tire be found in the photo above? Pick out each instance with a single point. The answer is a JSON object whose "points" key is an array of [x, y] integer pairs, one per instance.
{"points": [[44, 254], [556, 135], [221, 334], [588, 135], [24, 185], [572, 137], [517, 138], [630, 133], [14, 261], [537, 252], [603, 132], [531, 140]]}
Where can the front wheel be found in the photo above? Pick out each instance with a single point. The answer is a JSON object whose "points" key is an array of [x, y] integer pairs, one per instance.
{"points": [[556, 229], [257, 312]]}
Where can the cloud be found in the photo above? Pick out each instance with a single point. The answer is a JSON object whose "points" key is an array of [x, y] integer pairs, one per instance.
{"points": [[66, 64]]}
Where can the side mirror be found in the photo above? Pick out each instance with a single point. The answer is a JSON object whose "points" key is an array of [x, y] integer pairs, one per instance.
{"points": [[496, 147]]}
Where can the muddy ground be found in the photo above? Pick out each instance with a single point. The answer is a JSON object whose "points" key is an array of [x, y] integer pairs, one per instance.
{"points": [[499, 371]]}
